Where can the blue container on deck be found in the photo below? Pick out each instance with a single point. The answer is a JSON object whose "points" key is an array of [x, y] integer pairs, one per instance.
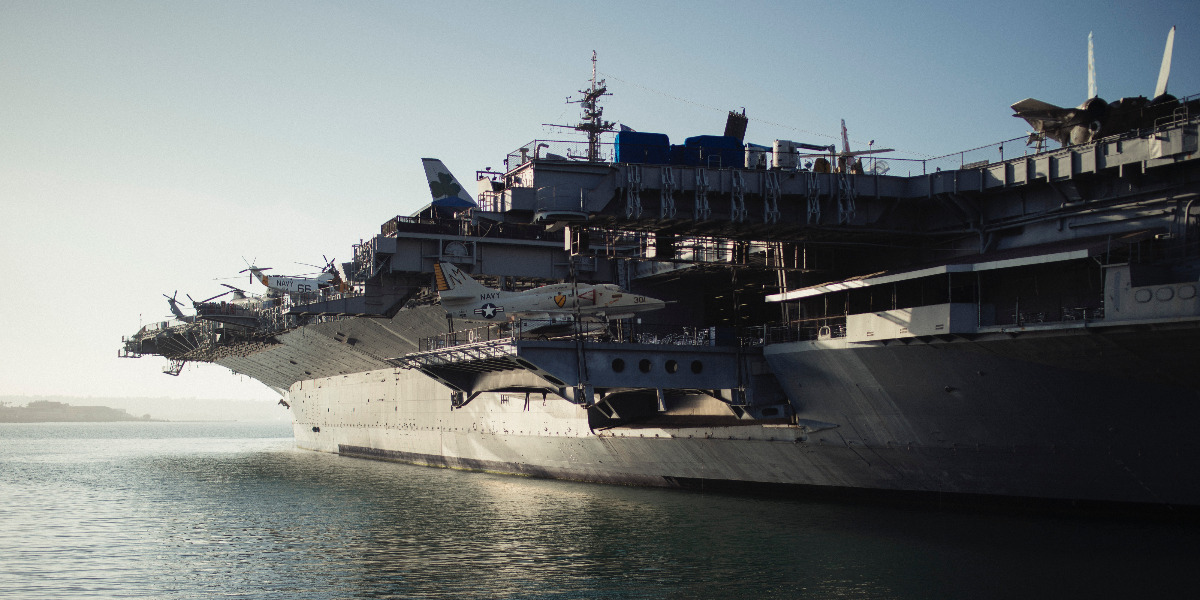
{"points": [[684, 156], [714, 151], [644, 148]]}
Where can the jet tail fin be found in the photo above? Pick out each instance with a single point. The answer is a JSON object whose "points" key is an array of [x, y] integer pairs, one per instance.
{"points": [[446, 190], [1164, 72], [453, 284], [1093, 91]]}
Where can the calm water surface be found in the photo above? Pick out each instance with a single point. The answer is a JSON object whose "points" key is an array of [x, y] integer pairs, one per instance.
{"points": [[205, 510]]}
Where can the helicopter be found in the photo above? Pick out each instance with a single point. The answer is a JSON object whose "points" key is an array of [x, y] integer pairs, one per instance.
{"points": [[175, 310], [328, 277], [239, 297]]}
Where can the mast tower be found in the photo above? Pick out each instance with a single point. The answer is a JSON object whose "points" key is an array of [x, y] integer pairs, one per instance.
{"points": [[593, 123]]}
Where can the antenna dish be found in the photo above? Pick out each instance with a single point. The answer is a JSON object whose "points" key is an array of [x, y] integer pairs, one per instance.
{"points": [[881, 167]]}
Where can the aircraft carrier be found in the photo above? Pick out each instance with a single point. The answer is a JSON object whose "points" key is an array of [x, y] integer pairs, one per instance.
{"points": [[995, 324]]}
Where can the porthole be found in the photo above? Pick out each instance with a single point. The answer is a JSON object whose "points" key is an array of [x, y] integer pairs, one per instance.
{"points": [[1187, 292], [671, 366], [697, 367], [1143, 295], [618, 365], [1165, 294], [644, 365]]}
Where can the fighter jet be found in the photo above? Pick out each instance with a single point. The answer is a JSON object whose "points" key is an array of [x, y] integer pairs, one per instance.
{"points": [[466, 299], [1095, 118]]}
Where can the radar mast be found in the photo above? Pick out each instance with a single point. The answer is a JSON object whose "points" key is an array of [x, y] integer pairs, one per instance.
{"points": [[593, 123]]}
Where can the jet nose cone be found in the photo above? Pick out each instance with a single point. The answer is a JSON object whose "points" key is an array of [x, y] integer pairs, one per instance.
{"points": [[652, 304]]}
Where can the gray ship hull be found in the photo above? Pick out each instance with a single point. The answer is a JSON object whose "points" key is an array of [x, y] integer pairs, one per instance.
{"points": [[1085, 415]]}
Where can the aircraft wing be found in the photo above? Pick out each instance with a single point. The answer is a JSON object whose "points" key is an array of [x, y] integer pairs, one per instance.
{"points": [[1030, 109], [1055, 122], [1030, 104]]}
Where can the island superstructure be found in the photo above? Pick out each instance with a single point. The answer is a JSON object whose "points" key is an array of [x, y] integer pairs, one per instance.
{"points": [[1020, 327]]}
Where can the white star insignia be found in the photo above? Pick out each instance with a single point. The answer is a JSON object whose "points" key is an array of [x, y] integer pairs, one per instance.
{"points": [[489, 310]]}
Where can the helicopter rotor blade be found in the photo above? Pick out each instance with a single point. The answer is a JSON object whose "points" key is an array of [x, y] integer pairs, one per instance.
{"points": [[215, 297]]}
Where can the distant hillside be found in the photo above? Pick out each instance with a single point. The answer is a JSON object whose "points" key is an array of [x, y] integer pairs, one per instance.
{"points": [[45, 411], [168, 409]]}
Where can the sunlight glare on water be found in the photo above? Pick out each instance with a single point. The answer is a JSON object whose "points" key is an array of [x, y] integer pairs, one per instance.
{"points": [[201, 510]]}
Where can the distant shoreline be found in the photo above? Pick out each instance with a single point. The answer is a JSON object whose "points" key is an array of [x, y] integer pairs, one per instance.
{"points": [[166, 409], [138, 420], [45, 411]]}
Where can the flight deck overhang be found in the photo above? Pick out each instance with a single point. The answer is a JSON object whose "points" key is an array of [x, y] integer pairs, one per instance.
{"points": [[585, 372], [882, 278], [1020, 257]]}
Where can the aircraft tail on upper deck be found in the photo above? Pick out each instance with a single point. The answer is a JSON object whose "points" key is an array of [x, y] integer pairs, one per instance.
{"points": [[446, 190], [453, 284]]}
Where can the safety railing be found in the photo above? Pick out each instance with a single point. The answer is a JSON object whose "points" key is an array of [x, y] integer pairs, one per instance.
{"points": [[761, 157], [617, 332], [574, 150]]}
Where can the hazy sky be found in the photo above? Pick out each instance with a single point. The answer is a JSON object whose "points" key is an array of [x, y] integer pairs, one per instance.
{"points": [[145, 147]]}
